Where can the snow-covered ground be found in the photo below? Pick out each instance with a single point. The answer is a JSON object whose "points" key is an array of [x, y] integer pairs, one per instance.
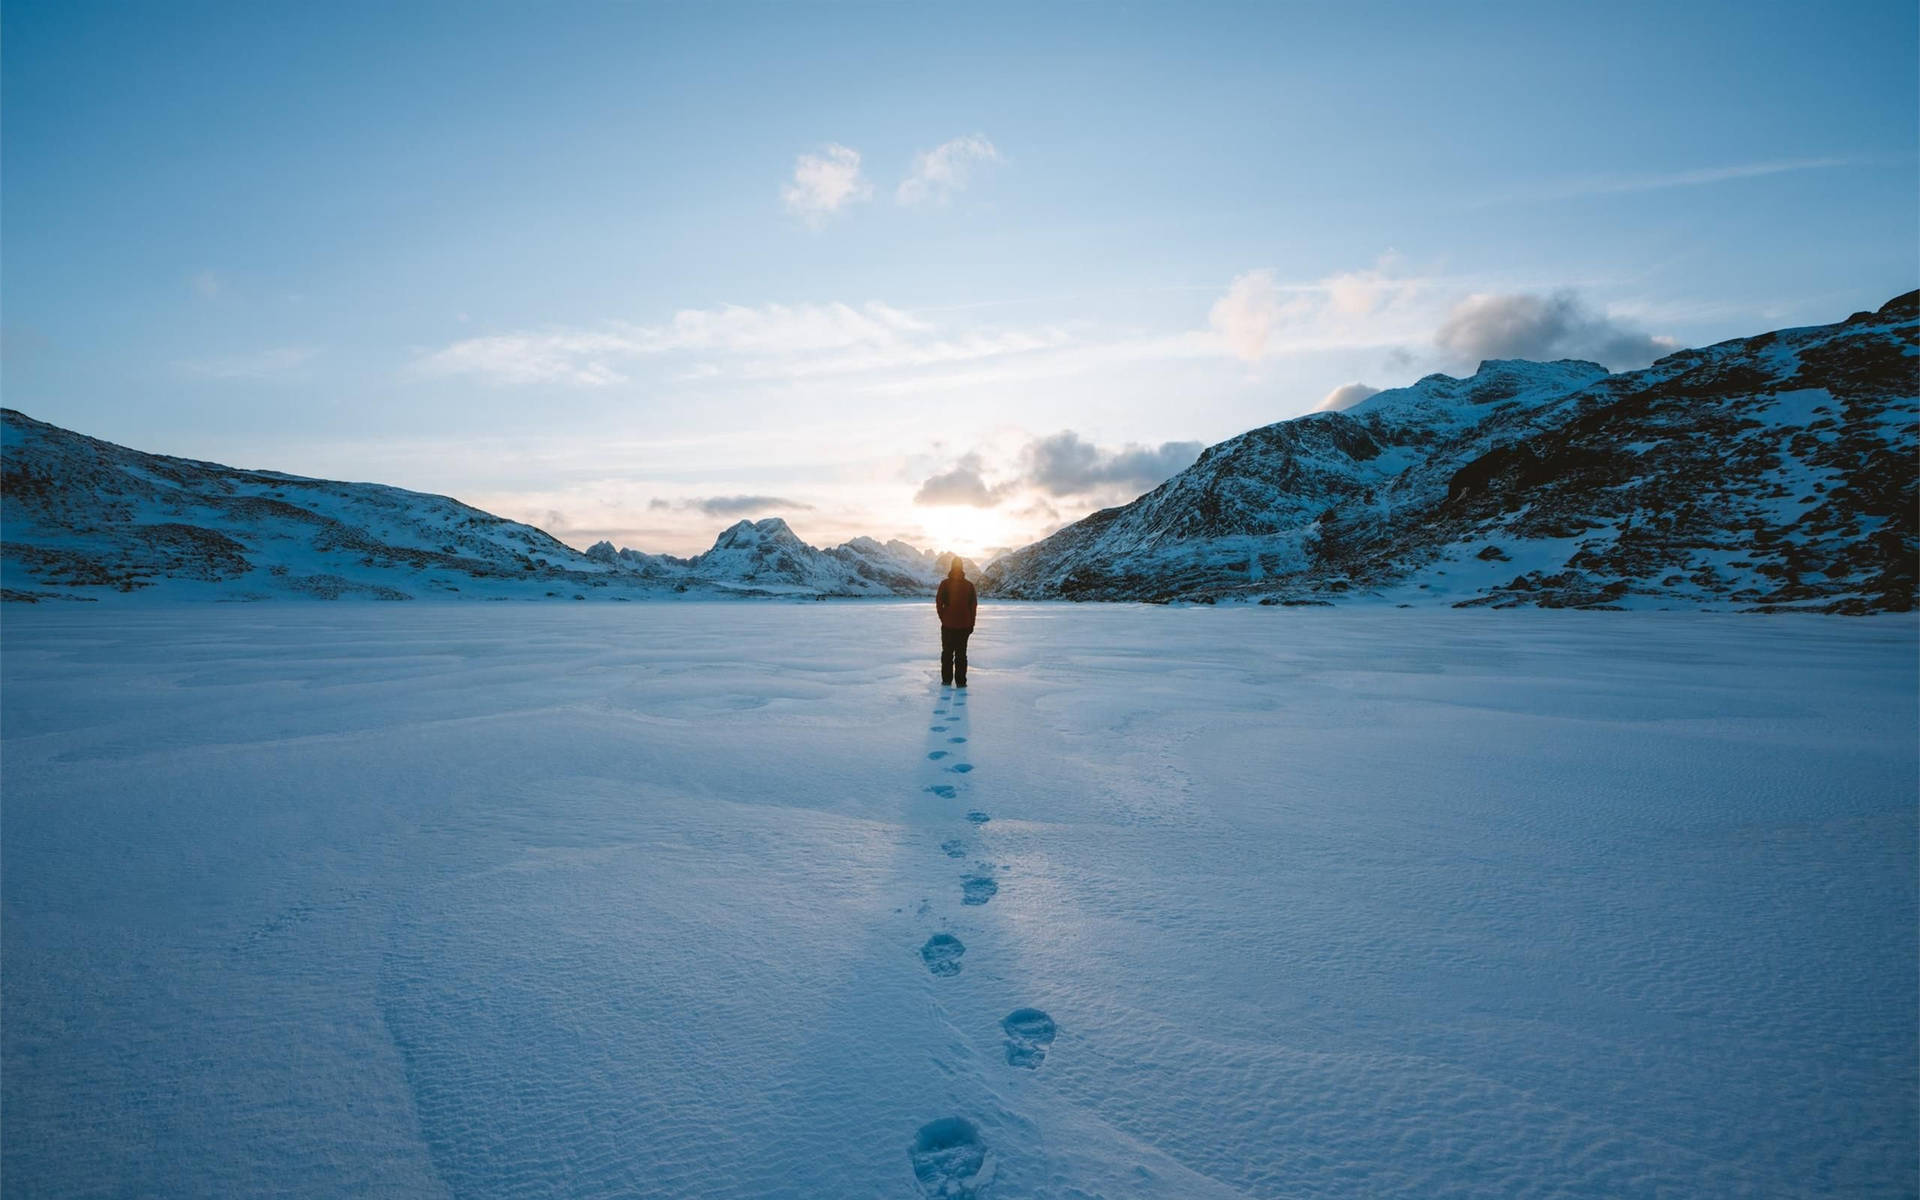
{"points": [[701, 900]]}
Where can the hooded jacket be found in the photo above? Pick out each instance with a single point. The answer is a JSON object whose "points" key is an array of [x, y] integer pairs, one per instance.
{"points": [[956, 602]]}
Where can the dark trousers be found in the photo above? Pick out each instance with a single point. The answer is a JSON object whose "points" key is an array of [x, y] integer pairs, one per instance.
{"points": [[953, 655]]}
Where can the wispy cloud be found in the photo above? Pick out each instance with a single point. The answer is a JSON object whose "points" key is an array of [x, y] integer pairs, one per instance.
{"points": [[825, 183], [205, 284], [262, 364], [1244, 317], [1607, 185], [940, 172], [1259, 316], [573, 357], [774, 341]]}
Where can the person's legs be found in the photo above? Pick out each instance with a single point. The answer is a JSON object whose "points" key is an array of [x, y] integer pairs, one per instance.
{"points": [[946, 655], [960, 637]]}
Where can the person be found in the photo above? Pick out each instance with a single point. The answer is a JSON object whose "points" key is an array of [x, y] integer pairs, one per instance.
{"points": [[956, 602]]}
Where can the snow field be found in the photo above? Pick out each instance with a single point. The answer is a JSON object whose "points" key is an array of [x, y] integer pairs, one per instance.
{"points": [[694, 900]]}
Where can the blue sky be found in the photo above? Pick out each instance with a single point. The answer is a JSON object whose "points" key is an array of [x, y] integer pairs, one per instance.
{"points": [[955, 274]]}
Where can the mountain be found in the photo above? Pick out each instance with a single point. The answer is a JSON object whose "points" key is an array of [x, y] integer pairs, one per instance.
{"points": [[1768, 472], [84, 518], [768, 557]]}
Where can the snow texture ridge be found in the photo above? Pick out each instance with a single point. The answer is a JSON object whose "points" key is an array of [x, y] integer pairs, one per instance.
{"points": [[1762, 473]]}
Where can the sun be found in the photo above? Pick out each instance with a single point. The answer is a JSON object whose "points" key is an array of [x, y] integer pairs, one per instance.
{"points": [[967, 531]]}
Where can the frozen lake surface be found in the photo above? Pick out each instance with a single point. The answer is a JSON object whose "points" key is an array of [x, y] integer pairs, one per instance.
{"points": [[733, 900]]}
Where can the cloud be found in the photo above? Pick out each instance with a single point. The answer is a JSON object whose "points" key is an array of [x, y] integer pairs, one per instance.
{"points": [[1064, 465], [205, 284], [940, 172], [1524, 325], [728, 506], [771, 341], [262, 364], [825, 183], [961, 485], [1345, 396], [777, 328], [733, 506], [1246, 315], [1059, 465], [1260, 317], [1362, 293], [1608, 185], [565, 357]]}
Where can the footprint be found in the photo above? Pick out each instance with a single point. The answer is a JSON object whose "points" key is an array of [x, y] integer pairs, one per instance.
{"points": [[976, 816], [949, 1159], [956, 740], [1029, 1033], [957, 768], [938, 754], [943, 790], [938, 728], [954, 847], [978, 889], [942, 954]]}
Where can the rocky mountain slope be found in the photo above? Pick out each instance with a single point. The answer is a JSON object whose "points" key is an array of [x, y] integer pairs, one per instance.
{"points": [[1768, 472], [86, 518]]}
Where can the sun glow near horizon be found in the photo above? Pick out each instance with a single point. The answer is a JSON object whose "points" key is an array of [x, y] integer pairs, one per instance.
{"points": [[973, 533]]}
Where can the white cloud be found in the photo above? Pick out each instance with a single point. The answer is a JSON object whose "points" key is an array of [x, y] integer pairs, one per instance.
{"points": [[262, 364], [205, 284], [563, 357], [940, 172], [1345, 396], [778, 328], [774, 341], [1246, 315], [825, 183], [1260, 317], [1363, 293]]}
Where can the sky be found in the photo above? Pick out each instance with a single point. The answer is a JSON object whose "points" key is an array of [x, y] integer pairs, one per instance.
{"points": [[955, 274]]}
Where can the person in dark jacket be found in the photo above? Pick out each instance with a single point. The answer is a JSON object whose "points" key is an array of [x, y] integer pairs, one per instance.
{"points": [[956, 602]]}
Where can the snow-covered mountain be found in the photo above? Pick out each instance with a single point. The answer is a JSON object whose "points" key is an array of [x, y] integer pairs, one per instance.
{"points": [[767, 557], [86, 518], [1775, 471], [1768, 472]]}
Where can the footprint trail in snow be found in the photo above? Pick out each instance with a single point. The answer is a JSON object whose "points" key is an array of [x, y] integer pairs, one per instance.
{"points": [[948, 1156]]}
